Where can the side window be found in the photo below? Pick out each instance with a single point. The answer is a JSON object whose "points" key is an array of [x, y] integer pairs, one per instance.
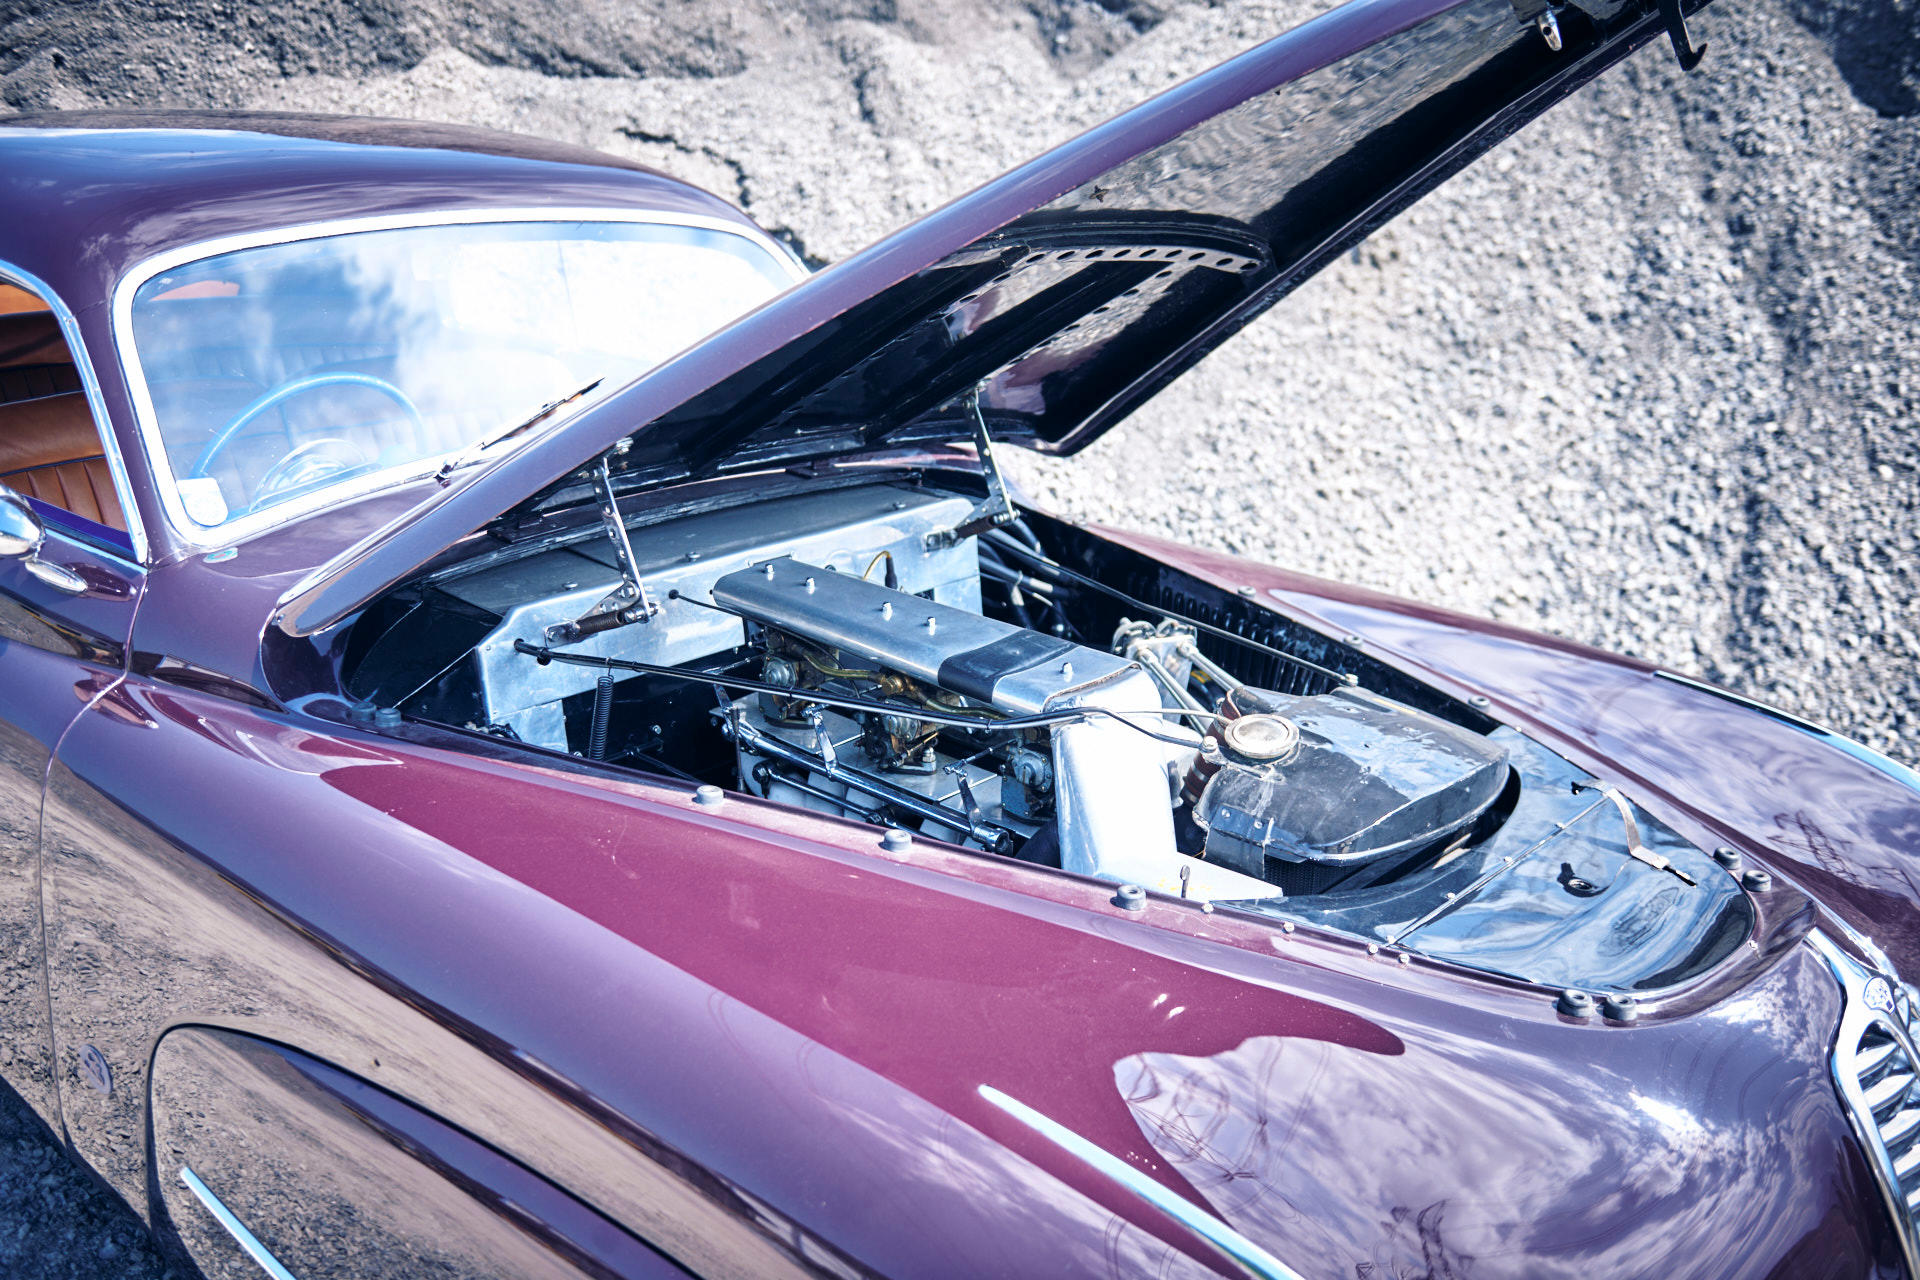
{"points": [[50, 446]]}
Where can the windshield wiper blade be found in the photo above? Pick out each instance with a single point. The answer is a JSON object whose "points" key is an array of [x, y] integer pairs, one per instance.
{"points": [[471, 454]]}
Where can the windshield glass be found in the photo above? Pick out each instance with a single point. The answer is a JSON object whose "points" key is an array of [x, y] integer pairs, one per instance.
{"points": [[280, 370]]}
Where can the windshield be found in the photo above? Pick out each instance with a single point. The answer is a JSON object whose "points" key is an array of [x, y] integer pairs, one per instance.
{"points": [[277, 371]]}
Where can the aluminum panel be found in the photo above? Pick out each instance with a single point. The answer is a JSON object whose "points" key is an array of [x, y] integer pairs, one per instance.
{"points": [[844, 528]]}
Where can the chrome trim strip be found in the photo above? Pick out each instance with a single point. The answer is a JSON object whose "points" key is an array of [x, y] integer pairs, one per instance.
{"points": [[235, 1228], [1855, 1017], [1254, 1260], [201, 539], [1904, 774], [96, 402]]}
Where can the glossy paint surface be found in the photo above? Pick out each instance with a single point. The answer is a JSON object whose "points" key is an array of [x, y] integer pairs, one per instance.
{"points": [[57, 653], [754, 1040], [768, 1011], [330, 1177]]}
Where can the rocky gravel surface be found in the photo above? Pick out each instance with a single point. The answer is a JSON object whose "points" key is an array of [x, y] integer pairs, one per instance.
{"points": [[1644, 376]]}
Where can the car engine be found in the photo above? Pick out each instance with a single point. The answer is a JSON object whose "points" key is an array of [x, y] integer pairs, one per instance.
{"points": [[874, 652]]}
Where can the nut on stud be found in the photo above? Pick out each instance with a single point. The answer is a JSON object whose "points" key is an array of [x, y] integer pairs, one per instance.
{"points": [[1619, 1008], [1574, 1003], [1130, 897]]}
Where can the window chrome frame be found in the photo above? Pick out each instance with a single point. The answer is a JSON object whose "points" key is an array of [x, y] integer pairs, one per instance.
{"points": [[197, 537], [97, 405]]}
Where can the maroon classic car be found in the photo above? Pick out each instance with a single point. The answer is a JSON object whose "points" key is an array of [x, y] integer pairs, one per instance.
{"points": [[535, 741]]}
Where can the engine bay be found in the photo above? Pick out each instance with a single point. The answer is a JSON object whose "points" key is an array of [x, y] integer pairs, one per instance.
{"points": [[879, 652]]}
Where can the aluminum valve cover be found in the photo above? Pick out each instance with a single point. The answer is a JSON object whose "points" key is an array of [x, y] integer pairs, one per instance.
{"points": [[994, 662]]}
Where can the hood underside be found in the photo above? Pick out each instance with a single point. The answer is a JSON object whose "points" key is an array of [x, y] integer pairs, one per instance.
{"points": [[1072, 288]]}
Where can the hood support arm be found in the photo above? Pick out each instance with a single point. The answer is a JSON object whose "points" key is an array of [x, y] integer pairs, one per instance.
{"points": [[630, 602], [998, 508]]}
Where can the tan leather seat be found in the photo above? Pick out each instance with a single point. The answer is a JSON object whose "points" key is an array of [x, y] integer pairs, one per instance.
{"points": [[50, 450]]}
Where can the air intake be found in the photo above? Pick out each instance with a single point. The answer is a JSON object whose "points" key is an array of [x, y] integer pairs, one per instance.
{"points": [[1875, 1065]]}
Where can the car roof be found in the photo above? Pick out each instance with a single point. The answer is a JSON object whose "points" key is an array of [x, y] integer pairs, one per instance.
{"points": [[85, 195]]}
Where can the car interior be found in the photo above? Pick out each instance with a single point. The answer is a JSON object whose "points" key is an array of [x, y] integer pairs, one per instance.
{"points": [[50, 448]]}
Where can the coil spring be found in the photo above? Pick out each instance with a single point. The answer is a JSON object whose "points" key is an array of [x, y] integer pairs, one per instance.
{"points": [[602, 712]]}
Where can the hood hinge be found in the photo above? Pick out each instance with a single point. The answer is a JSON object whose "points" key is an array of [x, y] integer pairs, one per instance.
{"points": [[1544, 17], [630, 601], [997, 509]]}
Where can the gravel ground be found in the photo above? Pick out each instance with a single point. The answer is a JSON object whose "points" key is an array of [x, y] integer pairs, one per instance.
{"points": [[1642, 377]]}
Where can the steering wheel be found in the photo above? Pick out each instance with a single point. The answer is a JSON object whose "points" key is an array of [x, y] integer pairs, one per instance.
{"points": [[286, 391], [300, 468]]}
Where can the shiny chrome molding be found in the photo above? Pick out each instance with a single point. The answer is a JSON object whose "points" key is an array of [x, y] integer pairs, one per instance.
{"points": [[102, 421], [1906, 775], [200, 538], [1252, 1259], [1880, 1082], [235, 1228]]}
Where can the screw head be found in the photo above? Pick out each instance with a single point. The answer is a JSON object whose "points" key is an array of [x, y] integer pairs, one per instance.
{"points": [[1248, 592], [1130, 897], [1479, 702], [708, 795]]}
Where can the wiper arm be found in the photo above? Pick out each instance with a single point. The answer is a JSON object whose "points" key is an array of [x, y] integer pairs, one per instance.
{"points": [[471, 454]]}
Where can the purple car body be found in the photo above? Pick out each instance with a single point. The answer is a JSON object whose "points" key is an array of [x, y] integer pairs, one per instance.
{"points": [[348, 992]]}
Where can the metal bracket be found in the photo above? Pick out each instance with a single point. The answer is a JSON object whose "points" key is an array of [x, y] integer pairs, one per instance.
{"points": [[1685, 51], [997, 509], [1635, 849], [630, 601]]}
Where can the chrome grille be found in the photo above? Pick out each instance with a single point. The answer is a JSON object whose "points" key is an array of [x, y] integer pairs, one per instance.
{"points": [[1875, 1067]]}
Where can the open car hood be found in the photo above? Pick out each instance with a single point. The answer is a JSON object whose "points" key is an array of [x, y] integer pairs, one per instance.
{"points": [[1075, 286]]}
